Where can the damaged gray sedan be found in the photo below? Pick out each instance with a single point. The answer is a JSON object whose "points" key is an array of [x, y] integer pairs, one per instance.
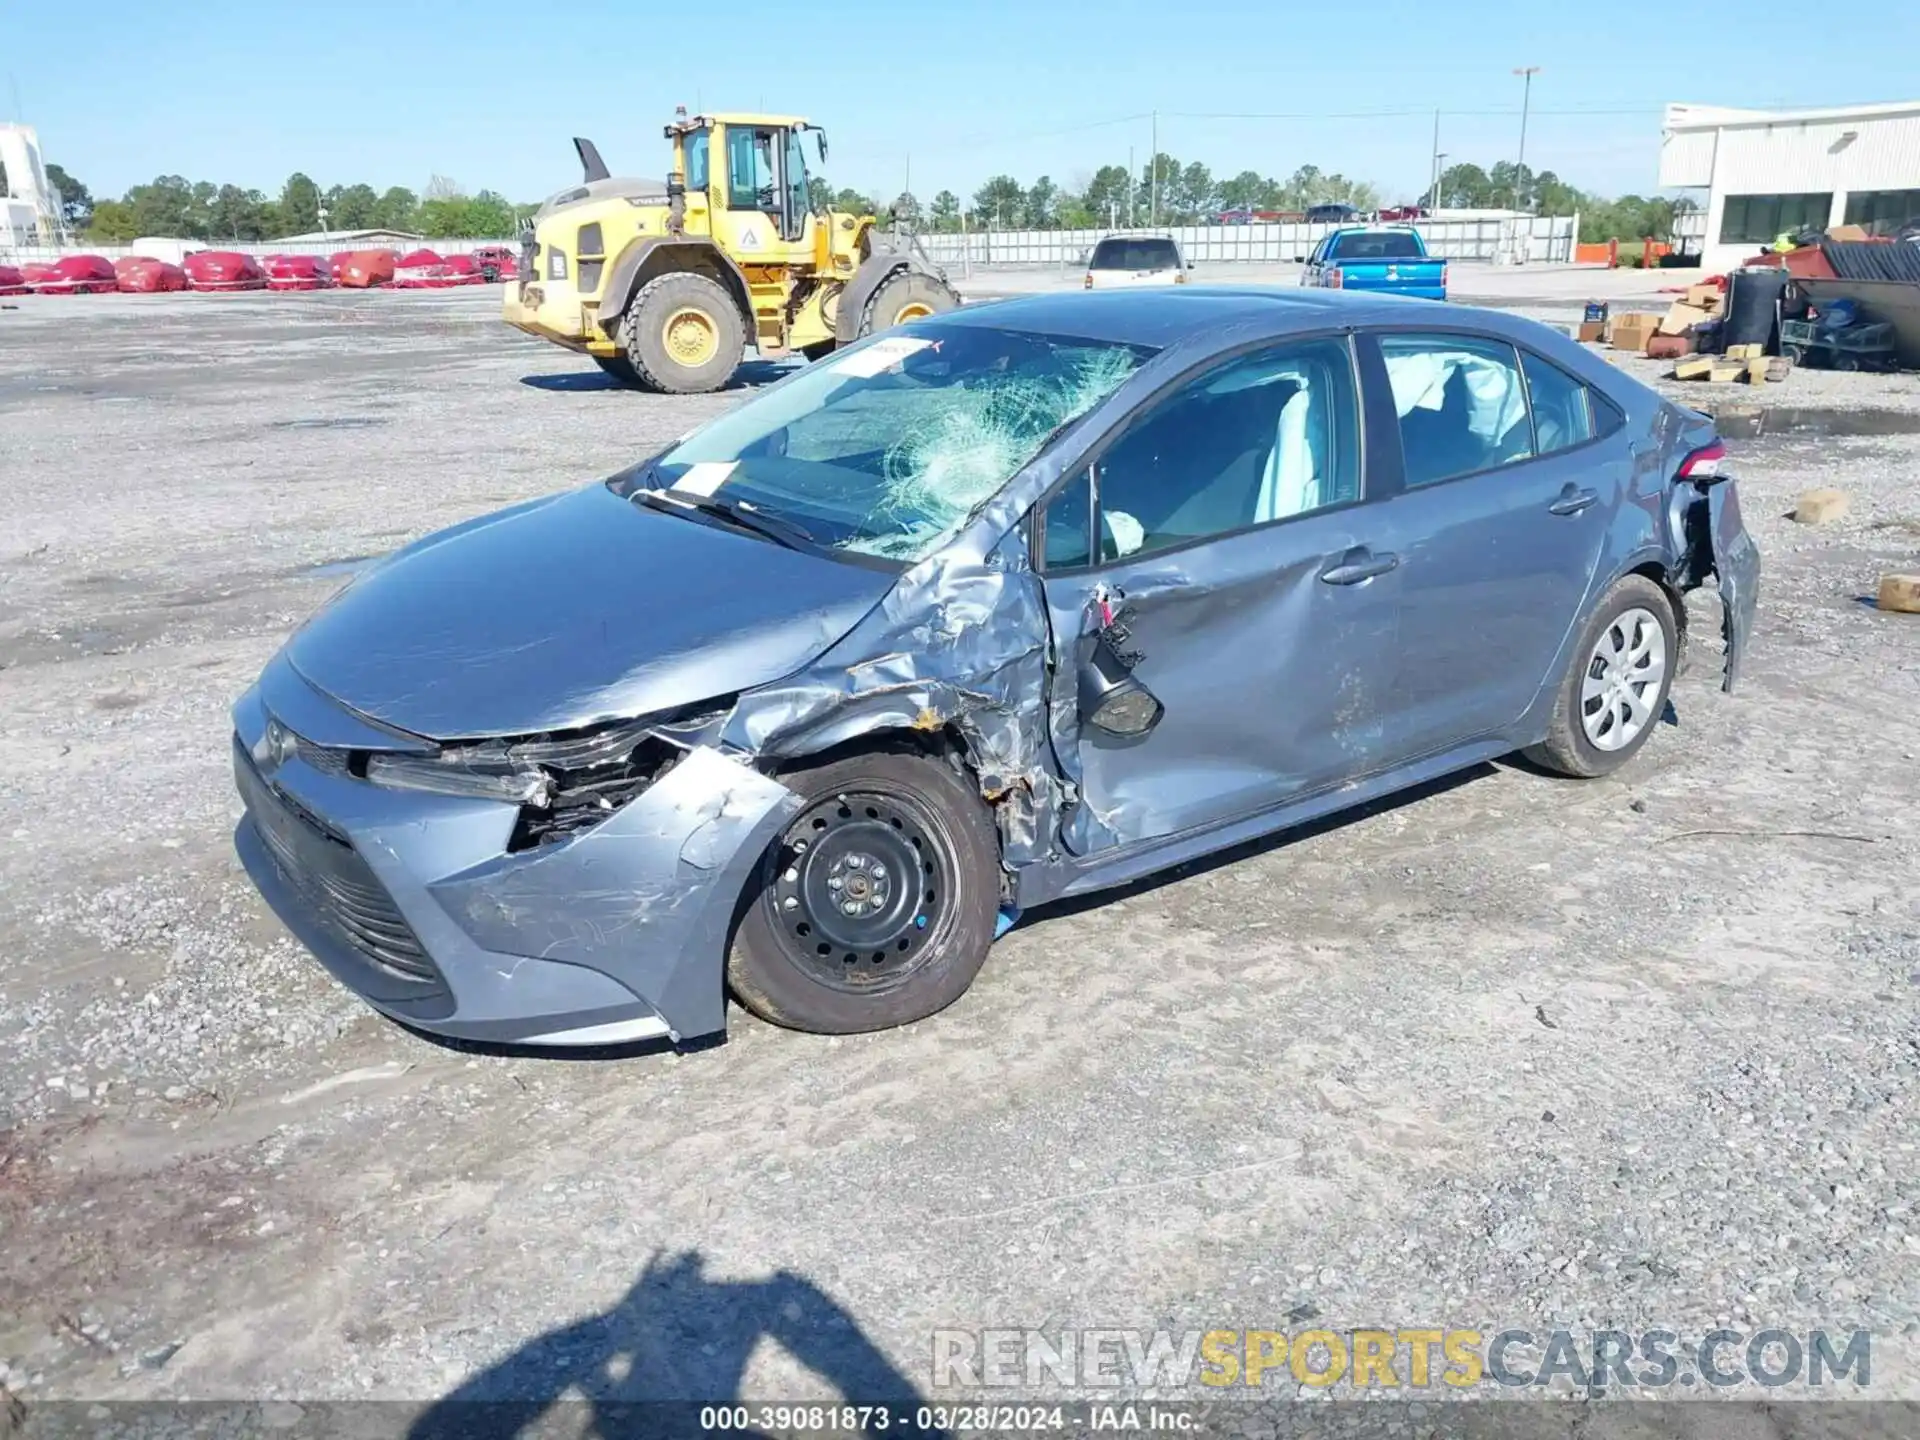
{"points": [[1014, 603]]}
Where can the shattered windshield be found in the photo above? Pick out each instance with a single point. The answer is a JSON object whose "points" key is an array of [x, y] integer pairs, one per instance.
{"points": [[886, 450]]}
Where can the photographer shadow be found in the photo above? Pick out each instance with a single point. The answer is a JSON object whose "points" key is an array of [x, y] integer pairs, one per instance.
{"points": [[676, 1343]]}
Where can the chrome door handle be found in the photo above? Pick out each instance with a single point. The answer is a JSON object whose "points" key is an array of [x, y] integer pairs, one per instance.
{"points": [[1358, 565], [1572, 502]]}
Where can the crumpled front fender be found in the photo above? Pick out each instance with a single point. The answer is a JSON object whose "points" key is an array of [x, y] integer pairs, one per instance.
{"points": [[647, 898]]}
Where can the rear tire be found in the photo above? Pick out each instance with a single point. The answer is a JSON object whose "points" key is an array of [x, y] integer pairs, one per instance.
{"points": [[906, 296], [1598, 722], [683, 334], [900, 954], [619, 368]]}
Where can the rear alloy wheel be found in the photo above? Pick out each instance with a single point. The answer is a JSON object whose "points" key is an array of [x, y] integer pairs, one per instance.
{"points": [[904, 297], [684, 334], [1616, 690], [876, 906]]}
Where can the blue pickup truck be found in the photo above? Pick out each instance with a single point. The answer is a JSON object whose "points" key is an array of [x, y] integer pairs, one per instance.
{"points": [[1380, 259]]}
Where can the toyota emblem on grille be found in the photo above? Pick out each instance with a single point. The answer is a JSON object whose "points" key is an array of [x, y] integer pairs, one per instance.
{"points": [[277, 746]]}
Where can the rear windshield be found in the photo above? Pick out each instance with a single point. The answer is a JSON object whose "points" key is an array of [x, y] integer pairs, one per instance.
{"points": [[1379, 245], [1134, 255]]}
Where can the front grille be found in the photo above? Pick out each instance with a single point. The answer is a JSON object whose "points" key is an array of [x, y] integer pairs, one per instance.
{"points": [[323, 759], [330, 877]]}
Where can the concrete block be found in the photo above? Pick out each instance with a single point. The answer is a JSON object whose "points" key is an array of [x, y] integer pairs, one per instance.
{"points": [[1821, 507], [1901, 593]]}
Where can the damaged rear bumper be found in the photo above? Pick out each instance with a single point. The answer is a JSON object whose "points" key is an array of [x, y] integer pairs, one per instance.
{"points": [[415, 902], [1736, 565]]}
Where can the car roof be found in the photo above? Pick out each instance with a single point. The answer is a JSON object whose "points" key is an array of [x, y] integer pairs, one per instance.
{"points": [[1162, 318]]}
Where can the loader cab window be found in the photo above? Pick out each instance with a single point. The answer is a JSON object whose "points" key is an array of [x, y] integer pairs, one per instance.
{"points": [[793, 223], [698, 172], [796, 174], [751, 184]]}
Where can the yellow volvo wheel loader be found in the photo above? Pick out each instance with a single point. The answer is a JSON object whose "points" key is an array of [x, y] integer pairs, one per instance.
{"points": [[663, 287]]}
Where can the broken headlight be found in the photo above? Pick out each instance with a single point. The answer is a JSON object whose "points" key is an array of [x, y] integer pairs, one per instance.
{"points": [[455, 772]]}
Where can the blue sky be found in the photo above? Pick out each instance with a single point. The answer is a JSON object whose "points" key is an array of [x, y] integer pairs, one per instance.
{"points": [[489, 93]]}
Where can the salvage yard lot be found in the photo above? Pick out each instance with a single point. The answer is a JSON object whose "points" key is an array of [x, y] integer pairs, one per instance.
{"points": [[1514, 1052]]}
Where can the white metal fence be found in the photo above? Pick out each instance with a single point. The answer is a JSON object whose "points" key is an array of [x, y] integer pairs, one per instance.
{"points": [[1541, 239]]}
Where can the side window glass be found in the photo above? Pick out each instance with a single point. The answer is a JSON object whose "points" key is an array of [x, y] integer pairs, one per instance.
{"points": [[796, 175], [1068, 526], [1262, 438], [1607, 416], [696, 150], [1561, 419], [750, 170], [1461, 402]]}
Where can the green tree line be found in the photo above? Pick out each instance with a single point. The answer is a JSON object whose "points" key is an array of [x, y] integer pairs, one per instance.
{"points": [[1510, 186], [1173, 193], [1165, 191], [172, 205]]}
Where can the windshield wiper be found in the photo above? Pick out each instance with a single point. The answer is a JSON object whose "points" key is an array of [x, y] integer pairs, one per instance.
{"points": [[741, 514]]}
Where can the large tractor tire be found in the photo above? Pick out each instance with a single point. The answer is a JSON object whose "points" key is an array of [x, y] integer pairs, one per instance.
{"points": [[684, 334], [909, 295]]}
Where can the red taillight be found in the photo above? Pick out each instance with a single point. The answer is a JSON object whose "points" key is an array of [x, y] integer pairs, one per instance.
{"points": [[1443, 277], [1704, 463], [1335, 279]]}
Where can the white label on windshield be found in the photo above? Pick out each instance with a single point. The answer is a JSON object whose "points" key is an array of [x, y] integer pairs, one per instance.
{"points": [[880, 355], [704, 477]]}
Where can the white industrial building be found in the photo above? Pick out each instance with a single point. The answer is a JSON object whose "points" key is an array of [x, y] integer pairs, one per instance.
{"points": [[1766, 172]]}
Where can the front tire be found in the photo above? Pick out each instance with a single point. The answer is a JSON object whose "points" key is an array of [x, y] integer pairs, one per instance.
{"points": [[683, 334], [876, 907], [904, 297], [1615, 691]]}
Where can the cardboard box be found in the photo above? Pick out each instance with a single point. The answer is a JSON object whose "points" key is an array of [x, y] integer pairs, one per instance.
{"points": [[1682, 317], [1592, 332], [1704, 297], [1631, 332], [1847, 232]]}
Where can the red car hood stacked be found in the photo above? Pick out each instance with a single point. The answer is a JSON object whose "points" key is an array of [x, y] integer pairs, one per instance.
{"points": [[12, 282], [141, 275], [364, 269], [223, 270], [298, 272], [74, 275], [427, 270]]}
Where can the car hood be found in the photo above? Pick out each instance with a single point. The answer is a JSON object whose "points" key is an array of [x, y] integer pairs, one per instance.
{"points": [[570, 610]]}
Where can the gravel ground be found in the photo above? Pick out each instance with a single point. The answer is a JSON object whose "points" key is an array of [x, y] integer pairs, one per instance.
{"points": [[1515, 1052]]}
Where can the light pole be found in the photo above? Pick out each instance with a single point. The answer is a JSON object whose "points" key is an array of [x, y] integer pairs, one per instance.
{"points": [[1526, 74], [1433, 193], [1439, 170]]}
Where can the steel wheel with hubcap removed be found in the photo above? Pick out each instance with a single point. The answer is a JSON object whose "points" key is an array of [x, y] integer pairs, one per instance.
{"points": [[876, 905], [1616, 688]]}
